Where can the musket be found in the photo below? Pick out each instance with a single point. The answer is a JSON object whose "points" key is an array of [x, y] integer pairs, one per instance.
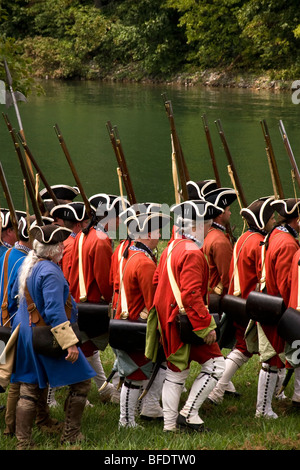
{"points": [[119, 153], [231, 163], [272, 159], [104, 385], [211, 151], [11, 207], [289, 152], [37, 208], [180, 160], [286, 380], [38, 169], [87, 204], [156, 366], [15, 96]]}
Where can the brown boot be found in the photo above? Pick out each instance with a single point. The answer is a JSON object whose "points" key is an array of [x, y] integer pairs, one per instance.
{"points": [[11, 405], [74, 407], [43, 418], [25, 415]]}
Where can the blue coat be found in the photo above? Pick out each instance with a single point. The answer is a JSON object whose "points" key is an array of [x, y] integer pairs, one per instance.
{"points": [[49, 291], [15, 260]]}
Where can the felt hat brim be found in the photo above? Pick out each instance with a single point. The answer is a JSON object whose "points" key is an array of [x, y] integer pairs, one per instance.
{"points": [[50, 234]]}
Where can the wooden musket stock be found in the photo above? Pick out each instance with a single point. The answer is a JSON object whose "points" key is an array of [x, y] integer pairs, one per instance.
{"points": [[88, 208], [37, 209], [230, 161], [271, 156], [12, 212], [289, 152], [33, 161], [180, 160], [211, 151], [118, 150]]}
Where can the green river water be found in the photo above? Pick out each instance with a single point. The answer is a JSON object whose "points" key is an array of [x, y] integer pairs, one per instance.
{"points": [[82, 109]]}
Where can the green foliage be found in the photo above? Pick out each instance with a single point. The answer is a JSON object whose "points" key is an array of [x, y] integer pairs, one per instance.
{"points": [[268, 33], [212, 30], [19, 66], [157, 39]]}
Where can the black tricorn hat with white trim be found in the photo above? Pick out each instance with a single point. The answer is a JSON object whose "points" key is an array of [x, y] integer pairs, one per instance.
{"points": [[195, 210], [198, 189], [140, 208], [287, 208], [258, 213], [108, 203], [61, 191], [50, 234], [221, 197], [6, 219], [73, 211], [23, 223], [141, 224]]}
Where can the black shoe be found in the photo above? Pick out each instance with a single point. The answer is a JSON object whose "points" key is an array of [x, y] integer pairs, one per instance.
{"points": [[151, 418], [183, 425], [232, 394], [2, 408]]}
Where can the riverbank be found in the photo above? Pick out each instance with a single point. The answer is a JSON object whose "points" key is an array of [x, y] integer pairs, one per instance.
{"points": [[211, 78], [266, 80]]}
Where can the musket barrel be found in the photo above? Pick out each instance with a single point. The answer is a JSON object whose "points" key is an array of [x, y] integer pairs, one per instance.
{"points": [[289, 152], [272, 159], [33, 161], [180, 160], [26, 173], [10, 204], [211, 151], [231, 163], [118, 150], [74, 172]]}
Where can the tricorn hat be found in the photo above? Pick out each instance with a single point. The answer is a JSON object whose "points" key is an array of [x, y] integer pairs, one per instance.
{"points": [[140, 225], [6, 219], [74, 211], [50, 204], [50, 234], [198, 189], [23, 223], [140, 208], [61, 191], [221, 197], [104, 203], [259, 212], [287, 208], [195, 210]]}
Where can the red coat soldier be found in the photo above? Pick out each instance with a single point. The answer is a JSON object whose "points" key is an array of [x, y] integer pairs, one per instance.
{"points": [[217, 246], [89, 273], [281, 245], [181, 278], [244, 275], [75, 218], [135, 289]]}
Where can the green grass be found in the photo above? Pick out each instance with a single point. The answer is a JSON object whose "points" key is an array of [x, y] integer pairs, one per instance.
{"points": [[232, 424]]}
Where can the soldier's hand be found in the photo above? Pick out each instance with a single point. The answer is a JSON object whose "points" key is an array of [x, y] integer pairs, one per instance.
{"points": [[210, 338], [73, 354]]}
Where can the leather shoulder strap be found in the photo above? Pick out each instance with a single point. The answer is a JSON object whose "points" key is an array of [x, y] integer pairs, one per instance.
{"points": [[4, 306], [35, 316]]}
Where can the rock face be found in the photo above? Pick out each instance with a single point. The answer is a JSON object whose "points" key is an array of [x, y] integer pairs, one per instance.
{"points": [[230, 79]]}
